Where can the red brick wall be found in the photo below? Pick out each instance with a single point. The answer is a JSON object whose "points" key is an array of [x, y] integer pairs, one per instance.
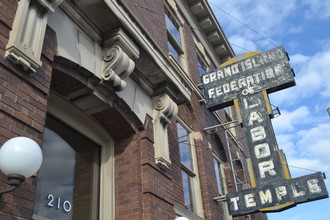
{"points": [[142, 189], [197, 118], [150, 15], [7, 13], [23, 106], [128, 186]]}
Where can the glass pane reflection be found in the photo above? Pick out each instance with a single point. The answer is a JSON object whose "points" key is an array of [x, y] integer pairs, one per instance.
{"points": [[173, 28], [184, 146], [56, 177], [218, 175], [187, 191]]}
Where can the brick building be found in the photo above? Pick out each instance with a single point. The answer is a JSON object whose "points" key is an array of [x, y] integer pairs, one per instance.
{"points": [[110, 90]]}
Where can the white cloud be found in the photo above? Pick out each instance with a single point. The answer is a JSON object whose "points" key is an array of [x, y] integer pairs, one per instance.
{"points": [[317, 74], [316, 141], [298, 59], [304, 140], [289, 120], [304, 166], [236, 41], [307, 150], [257, 21], [286, 143], [317, 9], [296, 29], [312, 78]]}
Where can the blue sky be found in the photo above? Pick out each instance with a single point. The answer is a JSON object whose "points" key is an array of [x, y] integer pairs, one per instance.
{"points": [[303, 129]]}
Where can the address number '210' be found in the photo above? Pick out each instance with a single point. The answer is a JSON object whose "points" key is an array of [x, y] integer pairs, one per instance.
{"points": [[66, 205]]}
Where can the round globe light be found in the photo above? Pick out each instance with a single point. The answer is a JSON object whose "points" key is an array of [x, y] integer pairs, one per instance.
{"points": [[181, 218], [20, 156]]}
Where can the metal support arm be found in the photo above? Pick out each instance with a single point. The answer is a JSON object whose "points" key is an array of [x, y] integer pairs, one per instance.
{"points": [[7, 190], [14, 181]]}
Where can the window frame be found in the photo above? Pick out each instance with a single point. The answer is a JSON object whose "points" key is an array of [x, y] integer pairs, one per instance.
{"points": [[202, 63], [222, 176], [70, 115], [196, 196], [178, 47], [224, 187], [62, 134]]}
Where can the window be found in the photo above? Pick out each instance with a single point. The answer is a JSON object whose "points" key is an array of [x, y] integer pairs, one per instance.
{"points": [[173, 34], [190, 181], [202, 65], [186, 164], [221, 183], [219, 176]]}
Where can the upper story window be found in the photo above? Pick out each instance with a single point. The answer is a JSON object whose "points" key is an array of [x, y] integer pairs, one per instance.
{"points": [[221, 183], [173, 27], [203, 67], [219, 176], [189, 170], [184, 146]]}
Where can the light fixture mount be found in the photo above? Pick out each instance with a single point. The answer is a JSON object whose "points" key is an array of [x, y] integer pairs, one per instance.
{"points": [[20, 158]]}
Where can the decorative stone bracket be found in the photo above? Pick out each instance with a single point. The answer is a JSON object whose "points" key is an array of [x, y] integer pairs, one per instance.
{"points": [[119, 52], [27, 36], [165, 110]]}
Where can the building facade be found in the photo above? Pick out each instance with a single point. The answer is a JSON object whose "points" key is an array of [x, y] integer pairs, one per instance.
{"points": [[110, 89]]}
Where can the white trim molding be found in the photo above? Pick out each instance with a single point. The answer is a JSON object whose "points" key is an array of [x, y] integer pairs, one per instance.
{"points": [[76, 119]]}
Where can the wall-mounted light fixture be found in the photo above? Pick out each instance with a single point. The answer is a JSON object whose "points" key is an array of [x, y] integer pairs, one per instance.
{"points": [[20, 158]]}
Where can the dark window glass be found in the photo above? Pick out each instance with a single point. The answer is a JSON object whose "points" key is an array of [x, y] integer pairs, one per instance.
{"points": [[173, 28], [187, 191], [201, 66], [173, 51]]}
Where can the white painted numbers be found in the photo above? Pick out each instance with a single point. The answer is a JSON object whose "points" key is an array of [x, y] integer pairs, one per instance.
{"points": [[59, 205]]}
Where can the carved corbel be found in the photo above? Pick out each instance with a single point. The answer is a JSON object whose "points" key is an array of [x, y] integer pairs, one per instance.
{"points": [[165, 110], [27, 36], [119, 52]]}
